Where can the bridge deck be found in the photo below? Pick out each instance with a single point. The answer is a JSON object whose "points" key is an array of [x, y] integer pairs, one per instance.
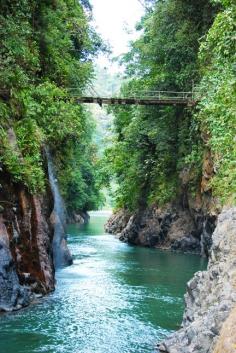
{"points": [[137, 98], [182, 101]]}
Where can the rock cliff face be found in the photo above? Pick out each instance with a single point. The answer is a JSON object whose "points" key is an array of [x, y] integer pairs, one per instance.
{"points": [[13, 295], [26, 266], [186, 224], [209, 319], [32, 238], [227, 340], [78, 217], [174, 227]]}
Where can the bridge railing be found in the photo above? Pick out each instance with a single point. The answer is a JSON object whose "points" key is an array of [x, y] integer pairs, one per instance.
{"points": [[166, 95], [160, 95], [147, 95]]}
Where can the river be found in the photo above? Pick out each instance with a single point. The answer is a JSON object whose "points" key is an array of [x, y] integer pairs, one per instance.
{"points": [[115, 298]]}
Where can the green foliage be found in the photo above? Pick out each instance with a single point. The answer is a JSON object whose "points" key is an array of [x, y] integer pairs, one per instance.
{"points": [[10, 157], [21, 156], [76, 164], [29, 140], [217, 114], [46, 48], [153, 144], [57, 116], [143, 158]]}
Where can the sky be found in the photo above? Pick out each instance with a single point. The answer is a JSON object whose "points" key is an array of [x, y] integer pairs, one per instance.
{"points": [[113, 18]]}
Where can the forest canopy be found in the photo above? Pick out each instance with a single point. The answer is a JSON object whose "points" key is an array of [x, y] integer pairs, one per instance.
{"points": [[183, 44], [47, 47]]}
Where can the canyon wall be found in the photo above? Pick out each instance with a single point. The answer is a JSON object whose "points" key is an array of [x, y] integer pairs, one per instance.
{"points": [[172, 227], [32, 242], [194, 224], [26, 264], [209, 318], [186, 224]]}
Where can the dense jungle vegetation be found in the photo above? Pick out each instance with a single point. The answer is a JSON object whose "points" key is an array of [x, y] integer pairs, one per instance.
{"points": [[181, 42], [46, 48]]}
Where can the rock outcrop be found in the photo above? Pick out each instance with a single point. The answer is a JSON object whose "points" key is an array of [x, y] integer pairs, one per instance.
{"points": [[209, 319], [78, 218], [32, 237], [12, 294], [186, 224], [174, 227], [117, 222], [227, 340], [26, 264]]}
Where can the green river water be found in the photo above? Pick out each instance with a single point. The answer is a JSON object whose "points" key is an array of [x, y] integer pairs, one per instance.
{"points": [[115, 298]]}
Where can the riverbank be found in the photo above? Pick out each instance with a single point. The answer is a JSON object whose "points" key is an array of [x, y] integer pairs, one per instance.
{"points": [[210, 298], [174, 227], [211, 295]]}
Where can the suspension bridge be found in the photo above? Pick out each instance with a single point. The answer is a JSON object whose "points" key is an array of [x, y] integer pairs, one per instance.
{"points": [[162, 98], [165, 98]]}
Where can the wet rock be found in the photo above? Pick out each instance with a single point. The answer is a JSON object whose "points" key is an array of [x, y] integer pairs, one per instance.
{"points": [[117, 222], [187, 244], [25, 245], [13, 296], [211, 295], [26, 263], [78, 217], [172, 227]]}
